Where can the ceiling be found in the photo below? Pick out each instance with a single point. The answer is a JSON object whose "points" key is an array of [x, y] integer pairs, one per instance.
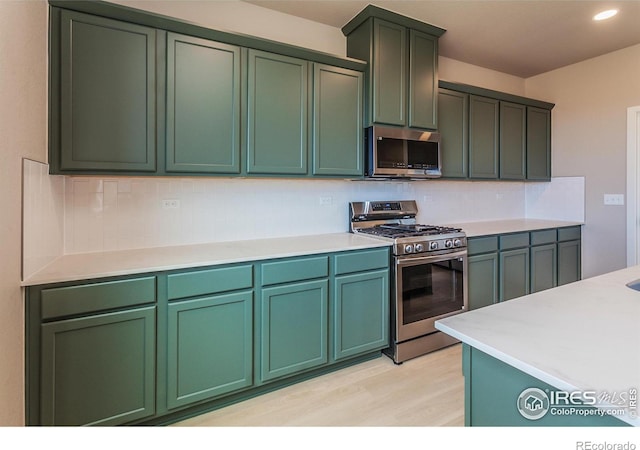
{"points": [[519, 37]]}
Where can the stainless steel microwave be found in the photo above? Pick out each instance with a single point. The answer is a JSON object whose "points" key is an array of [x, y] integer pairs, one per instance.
{"points": [[402, 153]]}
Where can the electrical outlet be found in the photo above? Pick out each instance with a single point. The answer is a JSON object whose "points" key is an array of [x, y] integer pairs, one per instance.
{"points": [[170, 204], [614, 199], [326, 200]]}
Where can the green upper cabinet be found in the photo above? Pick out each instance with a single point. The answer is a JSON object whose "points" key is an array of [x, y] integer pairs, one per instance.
{"points": [[132, 93], [277, 114], [402, 79], [484, 141], [423, 80], [203, 106], [337, 121], [513, 141], [488, 134], [453, 121], [389, 79], [103, 106], [538, 144]]}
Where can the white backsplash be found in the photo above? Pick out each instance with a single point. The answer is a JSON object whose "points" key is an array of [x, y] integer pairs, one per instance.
{"points": [[561, 199], [42, 217], [67, 215], [121, 213]]}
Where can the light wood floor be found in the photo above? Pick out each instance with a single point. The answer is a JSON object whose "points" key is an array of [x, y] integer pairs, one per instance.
{"points": [[426, 391]]}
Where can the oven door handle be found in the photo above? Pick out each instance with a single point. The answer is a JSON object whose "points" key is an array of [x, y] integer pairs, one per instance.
{"points": [[412, 261]]}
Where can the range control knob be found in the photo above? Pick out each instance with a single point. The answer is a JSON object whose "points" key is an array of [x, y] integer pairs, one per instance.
{"points": [[457, 243], [408, 248], [448, 243], [419, 248], [433, 245]]}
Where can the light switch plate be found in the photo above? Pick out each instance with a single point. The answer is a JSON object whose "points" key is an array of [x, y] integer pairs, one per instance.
{"points": [[614, 199]]}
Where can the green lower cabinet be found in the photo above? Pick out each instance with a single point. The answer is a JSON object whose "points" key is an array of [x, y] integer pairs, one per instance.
{"points": [[543, 267], [569, 262], [514, 273], [482, 276], [360, 313], [154, 349], [493, 389], [293, 328], [98, 370], [210, 343]]}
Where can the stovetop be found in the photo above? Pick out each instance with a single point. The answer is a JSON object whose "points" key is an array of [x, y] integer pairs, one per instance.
{"points": [[395, 221], [408, 230]]}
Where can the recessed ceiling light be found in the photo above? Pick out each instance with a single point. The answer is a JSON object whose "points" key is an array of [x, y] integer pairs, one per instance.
{"points": [[605, 14]]}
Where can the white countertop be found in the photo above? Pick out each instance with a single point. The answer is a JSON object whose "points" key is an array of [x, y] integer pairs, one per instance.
{"points": [[489, 227], [106, 264], [580, 336]]}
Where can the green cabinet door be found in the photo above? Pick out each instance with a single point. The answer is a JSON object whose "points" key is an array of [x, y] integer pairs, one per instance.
{"points": [[483, 137], [513, 141], [389, 66], [210, 343], [543, 267], [482, 276], [453, 122], [423, 80], [569, 262], [514, 273], [293, 328], [277, 114], [538, 144], [203, 106], [337, 121], [107, 96], [360, 313], [98, 370]]}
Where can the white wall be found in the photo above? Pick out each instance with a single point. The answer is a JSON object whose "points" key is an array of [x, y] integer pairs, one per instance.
{"points": [[246, 18], [589, 139], [23, 125], [460, 72]]}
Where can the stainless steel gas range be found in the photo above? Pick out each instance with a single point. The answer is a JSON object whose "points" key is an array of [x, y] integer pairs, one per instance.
{"points": [[429, 274]]}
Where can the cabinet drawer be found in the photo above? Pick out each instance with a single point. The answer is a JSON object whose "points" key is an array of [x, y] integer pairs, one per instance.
{"points": [[543, 237], [360, 261], [88, 298], [482, 245], [515, 240], [191, 284], [294, 270], [568, 234]]}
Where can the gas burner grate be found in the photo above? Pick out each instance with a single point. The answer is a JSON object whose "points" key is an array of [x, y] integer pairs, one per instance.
{"points": [[402, 230]]}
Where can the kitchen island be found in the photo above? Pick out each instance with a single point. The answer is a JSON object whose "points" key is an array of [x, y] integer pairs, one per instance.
{"points": [[565, 356]]}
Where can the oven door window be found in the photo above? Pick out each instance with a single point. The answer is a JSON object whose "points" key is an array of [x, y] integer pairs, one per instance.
{"points": [[431, 289]]}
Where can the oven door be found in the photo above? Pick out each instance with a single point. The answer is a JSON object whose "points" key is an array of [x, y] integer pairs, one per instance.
{"points": [[428, 288]]}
